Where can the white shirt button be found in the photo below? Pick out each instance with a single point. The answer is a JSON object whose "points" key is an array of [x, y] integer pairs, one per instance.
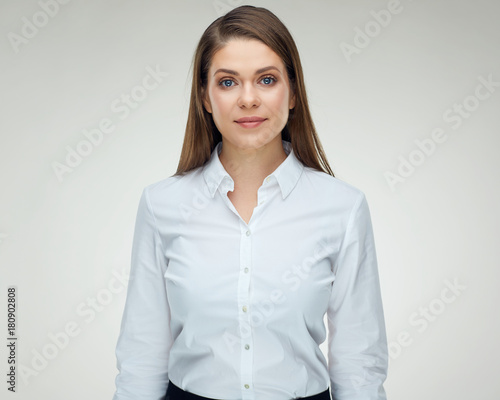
{"points": [[247, 386], [247, 346], [246, 270], [244, 308], [268, 179], [248, 233]]}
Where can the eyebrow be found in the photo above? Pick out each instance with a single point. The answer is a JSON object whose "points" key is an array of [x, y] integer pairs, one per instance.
{"points": [[259, 71]]}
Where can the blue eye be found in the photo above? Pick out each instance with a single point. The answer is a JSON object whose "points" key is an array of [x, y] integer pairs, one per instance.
{"points": [[268, 80], [226, 80]]}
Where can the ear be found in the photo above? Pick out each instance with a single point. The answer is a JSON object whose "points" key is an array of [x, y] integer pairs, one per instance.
{"points": [[292, 102], [206, 101]]}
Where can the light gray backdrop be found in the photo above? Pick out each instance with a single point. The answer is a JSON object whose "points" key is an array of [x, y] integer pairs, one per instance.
{"points": [[405, 96]]}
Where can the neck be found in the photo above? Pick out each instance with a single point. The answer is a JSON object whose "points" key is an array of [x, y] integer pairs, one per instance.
{"points": [[249, 167]]}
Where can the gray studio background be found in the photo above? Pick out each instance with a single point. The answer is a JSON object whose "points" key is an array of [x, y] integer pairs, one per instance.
{"points": [[405, 102]]}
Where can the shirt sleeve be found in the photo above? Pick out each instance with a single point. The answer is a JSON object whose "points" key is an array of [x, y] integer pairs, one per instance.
{"points": [[143, 346], [357, 342]]}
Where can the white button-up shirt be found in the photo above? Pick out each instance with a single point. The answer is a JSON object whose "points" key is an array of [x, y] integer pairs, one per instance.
{"points": [[230, 310]]}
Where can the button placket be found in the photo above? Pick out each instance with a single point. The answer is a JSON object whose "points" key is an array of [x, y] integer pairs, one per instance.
{"points": [[244, 317]]}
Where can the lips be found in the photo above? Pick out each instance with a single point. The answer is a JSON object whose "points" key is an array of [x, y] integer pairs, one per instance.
{"points": [[250, 119]]}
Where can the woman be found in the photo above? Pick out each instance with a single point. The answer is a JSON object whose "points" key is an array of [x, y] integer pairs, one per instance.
{"points": [[239, 255]]}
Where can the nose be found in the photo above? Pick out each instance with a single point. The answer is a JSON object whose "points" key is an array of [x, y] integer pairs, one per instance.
{"points": [[248, 97]]}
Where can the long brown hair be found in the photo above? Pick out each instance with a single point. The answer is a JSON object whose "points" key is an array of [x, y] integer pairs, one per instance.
{"points": [[258, 23]]}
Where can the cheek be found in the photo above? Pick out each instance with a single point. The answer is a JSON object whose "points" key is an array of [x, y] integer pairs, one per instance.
{"points": [[281, 98], [279, 102], [221, 102]]}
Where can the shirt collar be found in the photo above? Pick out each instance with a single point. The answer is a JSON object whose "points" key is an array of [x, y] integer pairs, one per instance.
{"points": [[287, 174]]}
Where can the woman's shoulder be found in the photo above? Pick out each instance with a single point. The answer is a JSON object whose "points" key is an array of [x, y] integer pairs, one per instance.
{"points": [[328, 186], [174, 186]]}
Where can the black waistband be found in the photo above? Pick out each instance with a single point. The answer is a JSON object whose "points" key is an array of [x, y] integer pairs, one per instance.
{"points": [[176, 393]]}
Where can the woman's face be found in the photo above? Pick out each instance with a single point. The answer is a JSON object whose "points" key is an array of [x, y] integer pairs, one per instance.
{"points": [[247, 79]]}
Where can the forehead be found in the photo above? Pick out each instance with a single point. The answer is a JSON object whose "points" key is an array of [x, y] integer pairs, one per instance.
{"points": [[245, 56]]}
